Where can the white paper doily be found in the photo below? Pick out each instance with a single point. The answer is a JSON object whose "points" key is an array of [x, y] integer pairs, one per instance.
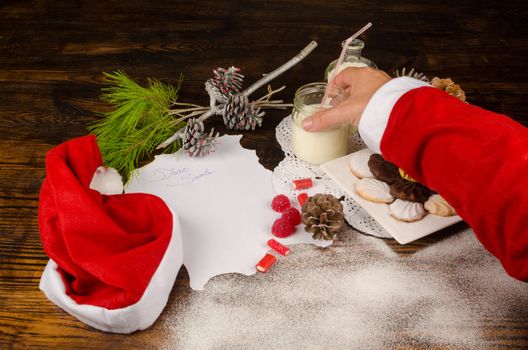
{"points": [[292, 168]]}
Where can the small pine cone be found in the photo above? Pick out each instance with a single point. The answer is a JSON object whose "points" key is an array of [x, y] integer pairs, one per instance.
{"points": [[196, 142], [322, 215], [450, 87], [240, 114], [412, 73], [225, 83]]}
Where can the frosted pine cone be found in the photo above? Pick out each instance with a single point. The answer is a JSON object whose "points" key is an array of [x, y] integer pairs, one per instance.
{"points": [[225, 83], [412, 74], [196, 142], [450, 87], [240, 114]]}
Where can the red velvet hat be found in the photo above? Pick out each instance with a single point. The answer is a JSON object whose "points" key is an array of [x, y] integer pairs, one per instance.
{"points": [[113, 258]]}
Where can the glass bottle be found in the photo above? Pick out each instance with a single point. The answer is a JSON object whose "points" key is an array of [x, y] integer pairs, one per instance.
{"points": [[352, 58], [321, 146]]}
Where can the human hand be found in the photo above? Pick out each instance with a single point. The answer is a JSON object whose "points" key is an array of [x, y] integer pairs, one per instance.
{"points": [[360, 84]]}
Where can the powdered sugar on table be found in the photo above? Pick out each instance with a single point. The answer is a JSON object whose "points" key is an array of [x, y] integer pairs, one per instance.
{"points": [[357, 294]]}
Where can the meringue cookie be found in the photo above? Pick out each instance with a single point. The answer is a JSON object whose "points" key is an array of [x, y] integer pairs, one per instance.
{"points": [[359, 163], [406, 211], [374, 190], [438, 206]]}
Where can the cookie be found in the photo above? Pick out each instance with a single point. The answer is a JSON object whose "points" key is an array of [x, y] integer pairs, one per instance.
{"points": [[410, 191], [358, 163], [374, 190], [406, 211], [383, 170], [438, 206]]}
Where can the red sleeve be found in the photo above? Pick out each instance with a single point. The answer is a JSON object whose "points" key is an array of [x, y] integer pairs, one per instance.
{"points": [[477, 160]]}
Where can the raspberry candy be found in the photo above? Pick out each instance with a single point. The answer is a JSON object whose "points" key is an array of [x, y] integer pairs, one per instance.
{"points": [[280, 203], [282, 228], [292, 215]]}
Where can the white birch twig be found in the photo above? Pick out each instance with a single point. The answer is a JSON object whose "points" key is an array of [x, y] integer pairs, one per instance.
{"points": [[270, 76], [262, 102]]}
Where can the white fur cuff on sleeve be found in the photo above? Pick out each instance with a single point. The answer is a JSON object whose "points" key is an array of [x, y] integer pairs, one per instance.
{"points": [[376, 115]]}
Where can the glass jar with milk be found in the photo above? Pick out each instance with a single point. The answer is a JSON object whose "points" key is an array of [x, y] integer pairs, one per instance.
{"points": [[352, 58], [321, 146]]}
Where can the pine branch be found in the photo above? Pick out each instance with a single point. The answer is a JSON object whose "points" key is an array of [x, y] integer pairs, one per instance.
{"points": [[138, 122]]}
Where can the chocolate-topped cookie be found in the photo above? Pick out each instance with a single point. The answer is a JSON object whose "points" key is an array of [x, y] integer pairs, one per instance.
{"points": [[410, 191], [383, 170]]}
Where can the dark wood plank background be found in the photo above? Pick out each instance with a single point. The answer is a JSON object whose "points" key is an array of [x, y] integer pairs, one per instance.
{"points": [[52, 54]]}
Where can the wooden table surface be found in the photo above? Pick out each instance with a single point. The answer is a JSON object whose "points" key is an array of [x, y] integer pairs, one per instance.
{"points": [[52, 54]]}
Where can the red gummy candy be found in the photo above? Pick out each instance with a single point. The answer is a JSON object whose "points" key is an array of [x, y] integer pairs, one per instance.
{"points": [[292, 215], [266, 262], [302, 184], [282, 228], [280, 203], [302, 198], [279, 248]]}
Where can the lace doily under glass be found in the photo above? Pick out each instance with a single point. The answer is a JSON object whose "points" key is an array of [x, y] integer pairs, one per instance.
{"points": [[292, 168]]}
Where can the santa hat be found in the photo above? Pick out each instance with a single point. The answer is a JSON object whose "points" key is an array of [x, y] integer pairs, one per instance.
{"points": [[113, 258]]}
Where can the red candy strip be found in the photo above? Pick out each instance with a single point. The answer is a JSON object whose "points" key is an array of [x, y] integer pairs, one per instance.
{"points": [[302, 184], [301, 198], [279, 248], [266, 262]]}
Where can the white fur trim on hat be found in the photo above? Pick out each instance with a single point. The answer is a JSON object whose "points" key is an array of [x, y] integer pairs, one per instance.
{"points": [[138, 316]]}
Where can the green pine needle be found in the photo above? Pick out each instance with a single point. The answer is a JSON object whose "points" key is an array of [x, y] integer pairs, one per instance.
{"points": [[138, 122]]}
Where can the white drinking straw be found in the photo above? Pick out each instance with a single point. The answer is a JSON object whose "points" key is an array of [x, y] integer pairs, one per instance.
{"points": [[340, 61]]}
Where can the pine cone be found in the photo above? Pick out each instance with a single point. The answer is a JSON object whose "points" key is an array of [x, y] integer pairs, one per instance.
{"points": [[450, 87], [323, 216], [411, 73], [196, 142], [240, 114], [225, 83]]}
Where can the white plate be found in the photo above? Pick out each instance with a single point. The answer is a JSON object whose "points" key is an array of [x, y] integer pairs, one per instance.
{"points": [[403, 232]]}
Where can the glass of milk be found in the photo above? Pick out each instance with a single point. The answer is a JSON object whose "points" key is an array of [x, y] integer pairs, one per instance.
{"points": [[321, 146]]}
